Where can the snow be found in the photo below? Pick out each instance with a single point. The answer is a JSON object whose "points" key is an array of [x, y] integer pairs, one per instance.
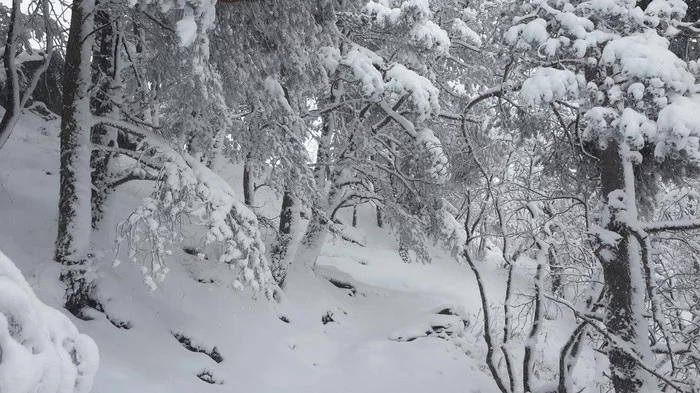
{"points": [[330, 58], [600, 124], [197, 18], [636, 128], [665, 9], [423, 94], [578, 26], [611, 7], [430, 36], [262, 353], [276, 94], [679, 129], [385, 15], [414, 13], [464, 32], [42, 351], [636, 91], [382, 14], [362, 61], [416, 9], [605, 236], [365, 66], [547, 85], [74, 240], [187, 187], [430, 144], [451, 230], [533, 33], [646, 56], [187, 28]]}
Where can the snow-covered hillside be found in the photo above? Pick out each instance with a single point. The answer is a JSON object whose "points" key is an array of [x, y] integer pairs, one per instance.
{"points": [[366, 322]]}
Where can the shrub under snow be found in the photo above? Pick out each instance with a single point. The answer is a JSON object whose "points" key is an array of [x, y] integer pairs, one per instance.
{"points": [[41, 351]]}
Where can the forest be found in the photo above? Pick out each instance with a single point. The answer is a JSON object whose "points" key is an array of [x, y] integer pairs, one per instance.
{"points": [[350, 196]]}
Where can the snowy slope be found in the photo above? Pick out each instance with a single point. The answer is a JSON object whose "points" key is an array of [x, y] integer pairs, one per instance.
{"points": [[363, 345]]}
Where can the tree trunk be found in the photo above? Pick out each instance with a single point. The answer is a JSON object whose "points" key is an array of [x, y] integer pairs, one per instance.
{"points": [[354, 216], [556, 271], [214, 157], [621, 266], [105, 69], [281, 252], [323, 168], [12, 97], [249, 185], [316, 232], [312, 242], [380, 217], [74, 213], [14, 100]]}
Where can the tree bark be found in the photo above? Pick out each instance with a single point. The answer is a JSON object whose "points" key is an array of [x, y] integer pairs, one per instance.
{"points": [[555, 271], [74, 212], [312, 242], [104, 74], [309, 247], [215, 156], [12, 97], [14, 100], [623, 319], [249, 185], [280, 254]]}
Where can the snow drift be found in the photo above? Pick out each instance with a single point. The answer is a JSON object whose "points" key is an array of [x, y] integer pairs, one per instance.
{"points": [[41, 351]]}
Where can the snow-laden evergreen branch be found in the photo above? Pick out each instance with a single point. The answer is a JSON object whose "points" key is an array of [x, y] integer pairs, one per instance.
{"points": [[187, 187]]}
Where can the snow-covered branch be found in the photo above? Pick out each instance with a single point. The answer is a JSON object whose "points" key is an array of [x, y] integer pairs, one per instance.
{"points": [[671, 226]]}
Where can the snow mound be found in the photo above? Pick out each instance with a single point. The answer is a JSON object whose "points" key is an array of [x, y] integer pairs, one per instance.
{"points": [[41, 350]]}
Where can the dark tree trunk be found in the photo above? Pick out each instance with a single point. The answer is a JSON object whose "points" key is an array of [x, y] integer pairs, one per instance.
{"points": [[12, 97], [556, 271], [621, 319], [249, 184], [74, 216], [354, 216], [281, 251], [104, 67], [380, 217]]}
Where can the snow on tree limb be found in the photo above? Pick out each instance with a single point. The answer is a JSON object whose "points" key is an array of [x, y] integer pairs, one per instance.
{"points": [[187, 187], [669, 226], [547, 85], [414, 14], [679, 129], [197, 16]]}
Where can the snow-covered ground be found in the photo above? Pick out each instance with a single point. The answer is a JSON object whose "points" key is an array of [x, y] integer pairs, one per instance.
{"points": [[319, 338]]}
